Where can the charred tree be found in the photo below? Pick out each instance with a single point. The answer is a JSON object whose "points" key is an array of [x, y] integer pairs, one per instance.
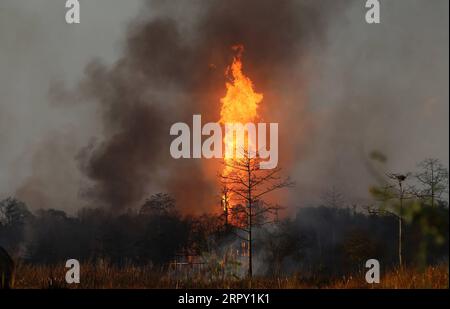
{"points": [[247, 184]]}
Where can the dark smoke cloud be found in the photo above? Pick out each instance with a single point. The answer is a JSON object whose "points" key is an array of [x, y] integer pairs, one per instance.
{"points": [[172, 69]]}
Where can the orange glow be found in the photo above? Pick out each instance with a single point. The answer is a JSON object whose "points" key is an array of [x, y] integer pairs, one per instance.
{"points": [[240, 105]]}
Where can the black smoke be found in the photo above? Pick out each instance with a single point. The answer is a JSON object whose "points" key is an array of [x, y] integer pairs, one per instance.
{"points": [[170, 70]]}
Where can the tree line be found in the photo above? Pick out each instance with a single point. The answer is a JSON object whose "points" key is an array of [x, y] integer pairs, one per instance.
{"points": [[331, 238]]}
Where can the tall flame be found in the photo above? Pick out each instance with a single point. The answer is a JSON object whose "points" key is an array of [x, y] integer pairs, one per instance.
{"points": [[240, 105]]}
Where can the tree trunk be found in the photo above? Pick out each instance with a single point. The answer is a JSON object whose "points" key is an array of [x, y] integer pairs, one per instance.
{"points": [[400, 262], [250, 268], [432, 185], [400, 259], [250, 251]]}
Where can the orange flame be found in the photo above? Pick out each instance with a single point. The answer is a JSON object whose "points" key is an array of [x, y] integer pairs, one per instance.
{"points": [[240, 105]]}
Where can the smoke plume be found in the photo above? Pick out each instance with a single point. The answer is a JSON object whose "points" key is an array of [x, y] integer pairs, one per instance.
{"points": [[170, 71]]}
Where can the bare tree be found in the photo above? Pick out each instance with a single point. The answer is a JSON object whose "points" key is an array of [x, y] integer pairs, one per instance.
{"points": [[13, 212], [160, 203], [394, 191], [333, 198], [434, 179], [247, 184]]}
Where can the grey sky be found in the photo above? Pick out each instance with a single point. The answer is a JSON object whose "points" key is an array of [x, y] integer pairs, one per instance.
{"points": [[38, 48]]}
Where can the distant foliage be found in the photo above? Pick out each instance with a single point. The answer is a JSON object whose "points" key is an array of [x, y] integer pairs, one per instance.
{"points": [[320, 243]]}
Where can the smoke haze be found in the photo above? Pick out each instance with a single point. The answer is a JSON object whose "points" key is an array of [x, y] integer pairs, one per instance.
{"points": [[85, 110]]}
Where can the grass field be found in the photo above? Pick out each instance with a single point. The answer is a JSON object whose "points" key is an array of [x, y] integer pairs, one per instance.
{"points": [[98, 276]]}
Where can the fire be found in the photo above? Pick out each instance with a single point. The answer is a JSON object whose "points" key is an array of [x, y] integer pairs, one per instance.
{"points": [[240, 105]]}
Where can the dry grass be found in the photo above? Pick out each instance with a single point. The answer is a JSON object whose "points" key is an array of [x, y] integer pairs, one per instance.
{"points": [[432, 277], [103, 276]]}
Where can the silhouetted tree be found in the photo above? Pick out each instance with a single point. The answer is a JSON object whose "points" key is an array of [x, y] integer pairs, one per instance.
{"points": [[159, 203], [13, 212], [248, 185], [280, 242], [14, 215], [333, 198], [358, 246], [433, 177], [398, 192], [164, 232]]}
